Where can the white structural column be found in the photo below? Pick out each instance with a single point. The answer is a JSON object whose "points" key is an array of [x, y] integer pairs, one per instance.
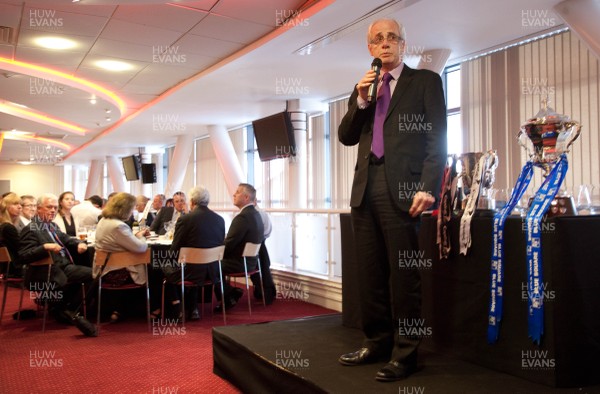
{"points": [[434, 60], [159, 173], [582, 16], [179, 162], [114, 166], [223, 148], [95, 175], [298, 168]]}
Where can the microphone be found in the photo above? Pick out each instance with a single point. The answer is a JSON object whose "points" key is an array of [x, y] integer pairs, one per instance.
{"points": [[375, 66]]}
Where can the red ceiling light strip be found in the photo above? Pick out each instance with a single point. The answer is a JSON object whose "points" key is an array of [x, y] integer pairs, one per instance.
{"points": [[39, 117], [64, 78]]}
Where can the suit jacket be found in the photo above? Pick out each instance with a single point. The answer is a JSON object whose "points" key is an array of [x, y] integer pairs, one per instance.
{"points": [[201, 228], [33, 238], [414, 130], [163, 216], [9, 237], [247, 226]]}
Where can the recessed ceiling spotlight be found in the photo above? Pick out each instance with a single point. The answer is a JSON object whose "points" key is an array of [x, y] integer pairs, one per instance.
{"points": [[55, 43], [114, 65], [93, 100], [108, 119], [108, 111]]}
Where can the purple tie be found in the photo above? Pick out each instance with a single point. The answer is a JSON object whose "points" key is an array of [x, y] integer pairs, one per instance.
{"points": [[383, 103]]}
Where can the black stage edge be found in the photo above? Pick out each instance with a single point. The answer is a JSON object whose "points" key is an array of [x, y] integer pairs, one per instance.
{"points": [[300, 356]]}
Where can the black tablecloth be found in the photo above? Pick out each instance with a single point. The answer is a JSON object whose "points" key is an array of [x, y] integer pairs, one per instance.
{"points": [[456, 299]]}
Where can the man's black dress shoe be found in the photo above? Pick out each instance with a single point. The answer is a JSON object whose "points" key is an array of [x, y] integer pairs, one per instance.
{"points": [[194, 315], [395, 371], [231, 301], [361, 356]]}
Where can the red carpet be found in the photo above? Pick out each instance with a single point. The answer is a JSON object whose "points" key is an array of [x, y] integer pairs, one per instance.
{"points": [[125, 358]]}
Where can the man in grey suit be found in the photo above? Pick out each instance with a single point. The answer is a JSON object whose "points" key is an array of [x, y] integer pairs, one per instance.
{"points": [[42, 237], [401, 157], [247, 226]]}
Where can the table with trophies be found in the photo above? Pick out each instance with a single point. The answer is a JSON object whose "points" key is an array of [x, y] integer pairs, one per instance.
{"points": [[517, 288]]}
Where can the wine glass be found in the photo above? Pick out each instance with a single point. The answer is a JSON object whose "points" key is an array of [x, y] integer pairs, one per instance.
{"points": [[595, 200], [523, 204], [584, 200]]}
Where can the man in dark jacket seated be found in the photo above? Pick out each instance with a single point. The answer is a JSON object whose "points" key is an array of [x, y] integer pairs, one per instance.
{"points": [[247, 226], [40, 238]]}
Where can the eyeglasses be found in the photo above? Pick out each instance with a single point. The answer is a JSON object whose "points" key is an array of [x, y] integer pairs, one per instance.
{"points": [[391, 38]]}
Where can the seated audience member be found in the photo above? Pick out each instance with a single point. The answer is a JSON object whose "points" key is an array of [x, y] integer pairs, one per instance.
{"points": [[169, 202], [42, 236], [10, 209], [247, 226], [64, 219], [265, 263], [169, 214], [114, 235], [158, 202], [29, 204], [140, 205], [201, 228], [87, 213]]}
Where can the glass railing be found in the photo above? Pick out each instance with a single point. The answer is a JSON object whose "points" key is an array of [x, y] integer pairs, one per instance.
{"points": [[306, 241]]}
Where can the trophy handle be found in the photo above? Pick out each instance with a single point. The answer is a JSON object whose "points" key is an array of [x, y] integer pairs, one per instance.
{"points": [[577, 126]]}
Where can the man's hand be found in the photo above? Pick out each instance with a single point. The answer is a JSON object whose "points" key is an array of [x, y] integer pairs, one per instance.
{"points": [[51, 247], [364, 83], [81, 247], [421, 202]]}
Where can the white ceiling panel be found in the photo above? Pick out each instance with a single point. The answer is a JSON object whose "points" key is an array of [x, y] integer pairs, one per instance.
{"points": [[229, 29], [139, 34], [207, 46], [160, 15], [53, 21], [267, 13]]}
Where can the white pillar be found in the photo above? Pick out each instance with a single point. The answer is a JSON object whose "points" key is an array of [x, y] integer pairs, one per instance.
{"points": [[114, 166], [582, 18], [179, 162], [230, 165], [160, 182], [298, 166], [95, 175], [434, 60]]}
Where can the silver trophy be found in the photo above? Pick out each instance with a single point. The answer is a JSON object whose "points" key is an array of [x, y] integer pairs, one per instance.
{"points": [[482, 177], [545, 137]]}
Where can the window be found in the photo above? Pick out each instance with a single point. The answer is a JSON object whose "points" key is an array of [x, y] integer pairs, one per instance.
{"points": [[452, 82]]}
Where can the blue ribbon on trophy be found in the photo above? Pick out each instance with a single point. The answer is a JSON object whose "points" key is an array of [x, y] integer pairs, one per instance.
{"points": [[497, 274], [551, 135]]}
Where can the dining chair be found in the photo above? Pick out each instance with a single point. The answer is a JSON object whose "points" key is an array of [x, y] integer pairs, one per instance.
{"points": [[250, 250], [6, 280]]}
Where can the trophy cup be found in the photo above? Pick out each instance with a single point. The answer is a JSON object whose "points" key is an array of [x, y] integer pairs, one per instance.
{"points": [[484, 180], [545, 138], [477, 176]]}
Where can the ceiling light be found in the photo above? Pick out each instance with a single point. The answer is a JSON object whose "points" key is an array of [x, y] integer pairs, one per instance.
{"points": [[114, 65], [55, 43]]}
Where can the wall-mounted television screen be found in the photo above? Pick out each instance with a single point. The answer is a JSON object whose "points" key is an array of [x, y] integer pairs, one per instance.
{"points": [[131, 167], [274, 137]]}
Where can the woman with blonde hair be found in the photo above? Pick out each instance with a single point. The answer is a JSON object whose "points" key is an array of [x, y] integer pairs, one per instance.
{"points": [[10, 211], [114, 235]]}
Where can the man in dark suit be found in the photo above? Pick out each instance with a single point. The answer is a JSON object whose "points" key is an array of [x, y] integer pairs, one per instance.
{"points": [[40, 237], [247, 226], [401, 157], [201, 228], [168, 214]]}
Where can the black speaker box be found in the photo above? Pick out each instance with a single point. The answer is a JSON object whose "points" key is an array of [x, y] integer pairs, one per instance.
{"points": [[149, 173]]}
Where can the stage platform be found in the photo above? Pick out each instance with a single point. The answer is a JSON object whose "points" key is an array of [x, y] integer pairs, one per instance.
{"points": [[300, 356]]}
